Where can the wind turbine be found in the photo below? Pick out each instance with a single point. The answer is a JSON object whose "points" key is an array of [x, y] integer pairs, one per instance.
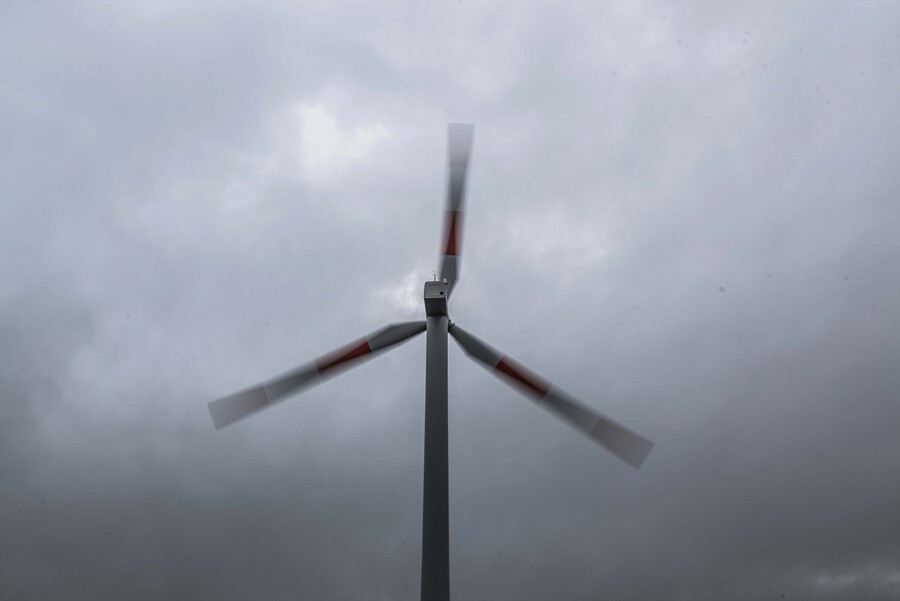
{"points": [[620, 441]]}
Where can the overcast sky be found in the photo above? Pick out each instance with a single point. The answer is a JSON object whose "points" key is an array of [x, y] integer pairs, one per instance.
{"points": [[685, 216]]}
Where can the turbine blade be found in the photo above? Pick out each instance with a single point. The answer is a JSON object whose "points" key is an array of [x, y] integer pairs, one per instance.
{"points": [[628, 446], [227, 410], [459, 145]]}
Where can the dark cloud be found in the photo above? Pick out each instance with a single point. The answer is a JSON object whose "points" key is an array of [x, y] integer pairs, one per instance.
{"points": [[685, 217]]}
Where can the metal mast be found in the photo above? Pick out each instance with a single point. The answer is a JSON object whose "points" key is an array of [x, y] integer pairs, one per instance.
{"points": [[435, 492]]}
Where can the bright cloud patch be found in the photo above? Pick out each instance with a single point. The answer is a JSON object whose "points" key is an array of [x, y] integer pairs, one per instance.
{"points": [[553, 239], [403, 299], [878, 578], [327, 148]]}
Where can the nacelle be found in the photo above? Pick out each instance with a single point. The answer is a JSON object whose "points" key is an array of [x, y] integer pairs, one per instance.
{"points": [[436, 298]]}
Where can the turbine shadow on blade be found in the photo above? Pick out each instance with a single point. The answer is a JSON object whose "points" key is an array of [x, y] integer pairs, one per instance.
{"points": [[619, 440]]}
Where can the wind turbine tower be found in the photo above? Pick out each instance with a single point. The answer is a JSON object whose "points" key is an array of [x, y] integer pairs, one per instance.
{"points": [[620, 441]]}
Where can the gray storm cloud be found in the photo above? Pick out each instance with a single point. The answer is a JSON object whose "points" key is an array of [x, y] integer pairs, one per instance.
{"points": [[684, 216]]}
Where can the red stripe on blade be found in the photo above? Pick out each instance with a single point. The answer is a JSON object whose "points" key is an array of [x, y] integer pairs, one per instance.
{"points": [[329, 362], [451, 234], [519, 375]]}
